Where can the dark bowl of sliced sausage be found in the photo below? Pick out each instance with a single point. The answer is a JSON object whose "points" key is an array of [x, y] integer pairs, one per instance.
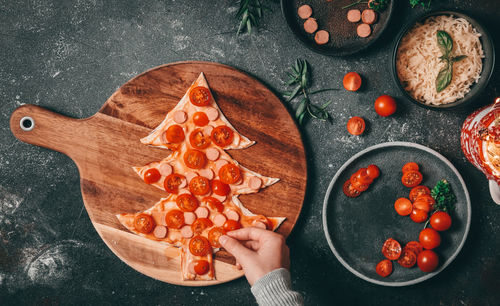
{"points": [[336, 28]]}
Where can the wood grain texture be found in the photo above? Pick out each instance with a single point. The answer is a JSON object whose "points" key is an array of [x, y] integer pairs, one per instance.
{"points": [[106, 146]]}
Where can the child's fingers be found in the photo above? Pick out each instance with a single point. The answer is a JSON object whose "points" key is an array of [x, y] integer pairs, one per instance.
{"points": [[234, 247], [249, 233]]}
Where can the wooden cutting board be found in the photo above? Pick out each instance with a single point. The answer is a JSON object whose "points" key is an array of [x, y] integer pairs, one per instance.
{"points": [[106, 146]]}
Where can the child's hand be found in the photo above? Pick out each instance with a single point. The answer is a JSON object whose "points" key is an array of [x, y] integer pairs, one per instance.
{"points": [[258, 251]]}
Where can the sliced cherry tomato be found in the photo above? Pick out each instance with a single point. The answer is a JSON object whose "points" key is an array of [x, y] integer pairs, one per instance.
{"points": [[412, 178], [214, 204], [214, 235], [408, 258], [414, 246], [373, 171], [187, 202], [229, 174], [152, 176], [422, 205], [440, 221], [349, 190], [363, 177], [429, 238], [199, 246], [174, 134], [356, 126], [220, 188], [195, 159], [418, 191], [200, 118], [403, 206], [391, 249], [427, 261], [356, 184], [352, 81], [200, 96], [231, 225], [144, 223], [384, 268], [172, 182], [418, 215], [200, 224], [411, 166], [426, 198], [198, 139], [199, 185], [222, 136], [385, 105], [201, 267], [174, 219]]}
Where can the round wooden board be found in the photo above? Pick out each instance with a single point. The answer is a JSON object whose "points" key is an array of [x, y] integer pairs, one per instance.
{"points": [[106, 146]]}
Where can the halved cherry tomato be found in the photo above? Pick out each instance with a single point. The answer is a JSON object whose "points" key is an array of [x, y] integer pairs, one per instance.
{"points": [[422, 205], [172, 182], [220, 188], [363, 177], [373, 171], [231, 225], [391, 249], [201, 267], [426, 198], [200, 224], [414, 246], [384, 268], [198, 139], [229, 174], [200, 118], [199, 185], [427, 261], [356, 126], [349, 190], [152, 176], [403, 206], [408, 258], [418, 191], [174, 134], [411, 166], [200, 96], [144, 223], [199, 246], [385, 105], [418, 215], [429, 238], [352, 81], [174, 219], [195, 159], [440, 221], [213, 204], [412, 178], [214, 235], [356, 184], [222, 136], [187, 202]]}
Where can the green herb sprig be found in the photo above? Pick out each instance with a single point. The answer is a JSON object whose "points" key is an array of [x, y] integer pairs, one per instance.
{"points": [[377, 5], [445, 199], [425, 4], [444, 76], [299, 77], [250, 13]]}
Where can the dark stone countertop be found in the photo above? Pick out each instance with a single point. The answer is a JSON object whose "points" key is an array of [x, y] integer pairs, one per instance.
{"points": [[70, 56]]}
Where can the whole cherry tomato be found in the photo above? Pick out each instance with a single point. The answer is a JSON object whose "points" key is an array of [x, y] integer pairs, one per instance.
{"points": [[429, 238], [440, 221], [427, 260], [385, 105]]}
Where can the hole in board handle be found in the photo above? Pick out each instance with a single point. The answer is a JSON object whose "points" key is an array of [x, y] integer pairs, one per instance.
{"points": [[27, 124]]}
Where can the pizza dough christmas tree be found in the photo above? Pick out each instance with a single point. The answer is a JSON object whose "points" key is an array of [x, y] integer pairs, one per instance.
{"points": [[201, 183]]}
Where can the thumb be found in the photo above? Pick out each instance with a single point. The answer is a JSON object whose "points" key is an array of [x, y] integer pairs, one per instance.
{"points": [[234, 247]]}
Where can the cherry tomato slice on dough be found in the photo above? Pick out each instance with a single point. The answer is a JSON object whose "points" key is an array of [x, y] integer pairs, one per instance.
{"points": [[172, 182], [198, 139], [187, 202], [152, 176], [195, 159], [214, 235], [201, 267], [174, 134], [199, 185], [200, 96], [200, 119], [200, 224], [229, 174], [144, 223], [199, 246], [222, 135], [174, 219], [231, 225]]}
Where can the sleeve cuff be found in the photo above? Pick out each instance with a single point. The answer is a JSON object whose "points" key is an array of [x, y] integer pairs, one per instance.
{"points": [[275, 288]]}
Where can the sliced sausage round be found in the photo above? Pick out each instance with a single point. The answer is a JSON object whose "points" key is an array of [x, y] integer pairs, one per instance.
{"points": [[212, 154], [187, 231], [191, 267], [322, 37], [183, 183], [165, 169], [212, 113], [369, 16], [231, 214], [208, 173], [160, 231], [310, 25], [189, 217], [190, 175], [219, 197], [354, 15], [201, 212], [180, 116], [208, 130], [219, 220], [219, 164], [305, 11], [364, 30], [255, 182]]}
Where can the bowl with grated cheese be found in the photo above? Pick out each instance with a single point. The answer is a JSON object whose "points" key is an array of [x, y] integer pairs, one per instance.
{"points": [[443, 60]]}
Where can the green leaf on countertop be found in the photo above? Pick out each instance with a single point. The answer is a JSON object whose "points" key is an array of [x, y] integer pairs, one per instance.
{"points": [[250, 12]]}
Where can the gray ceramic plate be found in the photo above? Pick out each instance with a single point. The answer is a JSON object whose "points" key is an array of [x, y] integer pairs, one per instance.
{"points": [[356, 228]]}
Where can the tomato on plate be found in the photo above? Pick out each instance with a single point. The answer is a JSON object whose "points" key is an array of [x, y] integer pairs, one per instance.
{"points": [[414, 246], [384, 268], [200, 224], [427, 261], [422, 205], [391, 249], [195, 159], [214, 235], [152, 176], [418, 191], [418, 215], [403, 206], [426, 198], [200, 118], [429, 238], [199, 246], [385, 105], [172, 182], [200, 96], [363, 177], [231, 225], [174, 219], [213, 204], [412, 178], [356, 126], [373, 171], [201, 267], [352, 81], [411, 166], [440, 221], [198, 139], [199, 185], [144, 223], [408, 258], [349, 190], [356, 184], [186, 202], [174, 134], [220, 188], [229, 174], [222, 135]]}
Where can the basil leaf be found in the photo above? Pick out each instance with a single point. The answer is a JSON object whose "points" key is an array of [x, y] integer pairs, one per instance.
{"points": [[459, 58], [445, 42], [444, 77]]}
